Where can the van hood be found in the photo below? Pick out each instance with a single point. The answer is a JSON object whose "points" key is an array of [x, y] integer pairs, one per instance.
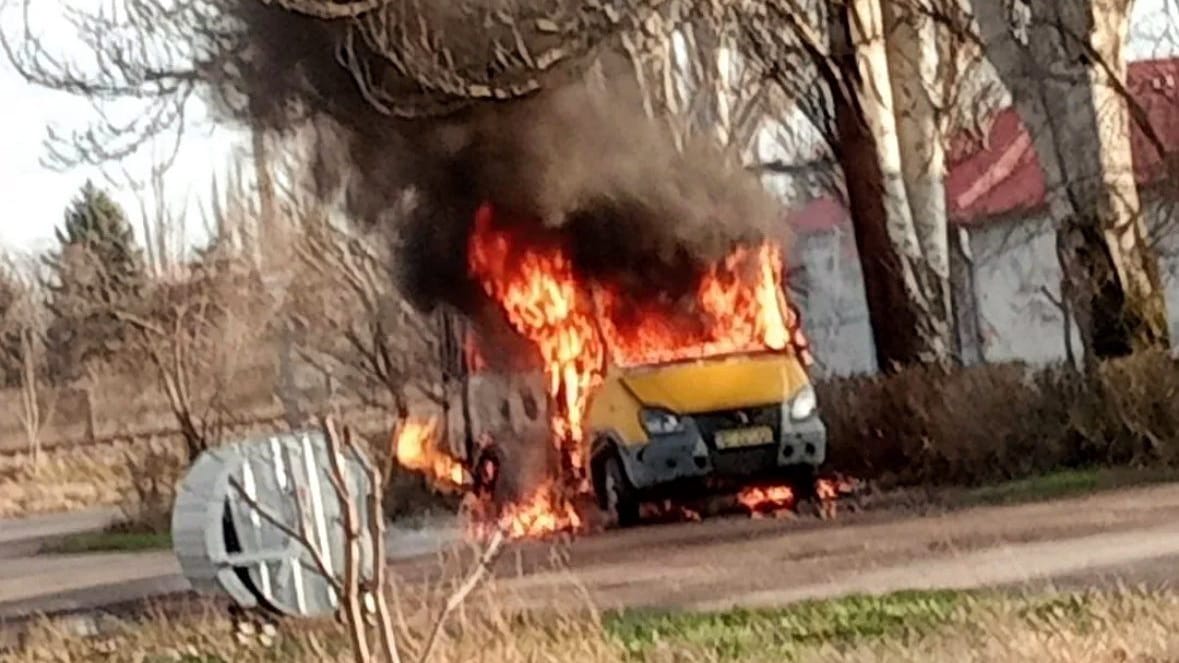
{"points": [[716, 384]]}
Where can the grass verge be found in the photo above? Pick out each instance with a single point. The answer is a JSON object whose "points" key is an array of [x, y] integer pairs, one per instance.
{"points": [[913, 627], [95, 542], [784, 634], [1058, 485]]}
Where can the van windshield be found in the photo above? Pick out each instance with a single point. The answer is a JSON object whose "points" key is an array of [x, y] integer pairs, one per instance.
{"points": [[673, 332]]}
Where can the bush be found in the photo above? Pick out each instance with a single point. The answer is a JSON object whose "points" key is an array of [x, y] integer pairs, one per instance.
{"points": [[147, 501], [929, 425]]}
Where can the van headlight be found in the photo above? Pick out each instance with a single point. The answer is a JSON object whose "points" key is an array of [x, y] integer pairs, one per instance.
{"points": [[657, 421], [804, 404]]}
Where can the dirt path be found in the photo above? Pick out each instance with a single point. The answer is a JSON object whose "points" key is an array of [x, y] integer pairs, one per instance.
{"points": [[1122, 536]]}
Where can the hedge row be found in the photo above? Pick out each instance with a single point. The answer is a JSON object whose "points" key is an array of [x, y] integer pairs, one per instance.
{"points": [[993, 422]]}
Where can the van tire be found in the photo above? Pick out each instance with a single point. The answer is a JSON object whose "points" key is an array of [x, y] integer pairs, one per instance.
{"points": [[618, 495], [801, 479]]}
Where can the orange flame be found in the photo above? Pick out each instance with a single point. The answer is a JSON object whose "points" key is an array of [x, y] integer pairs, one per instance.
{"points": [[416, 446], [762, 499], [536, 288], [738, 306], [544, 512]]}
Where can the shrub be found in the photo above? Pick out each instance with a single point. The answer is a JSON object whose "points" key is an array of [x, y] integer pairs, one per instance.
{"points": [[931, 425], [147, 500]]}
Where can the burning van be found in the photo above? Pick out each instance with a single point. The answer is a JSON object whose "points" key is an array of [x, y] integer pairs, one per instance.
{"points": [[703, 424], [592, 392], [667, 429]]}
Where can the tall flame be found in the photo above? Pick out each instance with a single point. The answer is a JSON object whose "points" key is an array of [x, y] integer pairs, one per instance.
{"points": [[536, 288]]}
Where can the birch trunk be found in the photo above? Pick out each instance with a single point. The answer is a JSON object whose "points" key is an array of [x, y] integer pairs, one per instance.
{"points": [[911, 47], [31, 405], [1066, 83], [906, 327]]}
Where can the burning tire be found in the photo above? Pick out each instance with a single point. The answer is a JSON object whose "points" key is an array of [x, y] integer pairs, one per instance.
{"points": [[618, 496]]}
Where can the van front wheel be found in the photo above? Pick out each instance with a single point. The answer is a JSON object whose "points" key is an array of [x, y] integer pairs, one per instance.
{"points": [[621, 501]]}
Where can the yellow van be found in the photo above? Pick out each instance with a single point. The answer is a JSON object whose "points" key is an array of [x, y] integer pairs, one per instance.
{"points": [[657, 430], [660, 430]]}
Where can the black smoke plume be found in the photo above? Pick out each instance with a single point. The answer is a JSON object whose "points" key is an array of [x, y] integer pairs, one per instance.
{"points": [[579, 157]]}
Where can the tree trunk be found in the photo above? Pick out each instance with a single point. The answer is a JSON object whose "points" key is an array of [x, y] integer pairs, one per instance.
{"points": [[31, 403], [969, 348], [267, 236], [710, 110], [1066, 83], [288, 387], [906, 329], [911, 46]]}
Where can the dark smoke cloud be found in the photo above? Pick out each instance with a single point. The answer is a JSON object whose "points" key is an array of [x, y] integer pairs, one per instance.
{"points": [[579, 159]]}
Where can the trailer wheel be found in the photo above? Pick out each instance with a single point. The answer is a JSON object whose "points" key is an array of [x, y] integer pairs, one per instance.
{"points": [[620, 499]]}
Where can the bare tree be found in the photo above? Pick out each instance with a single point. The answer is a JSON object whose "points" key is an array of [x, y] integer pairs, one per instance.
{"points": [[165, 231], [910, 39], [192, 332], [906, 272], [25, 324], [372, 343], [1065, 67], [193, 337], [408, 60]]}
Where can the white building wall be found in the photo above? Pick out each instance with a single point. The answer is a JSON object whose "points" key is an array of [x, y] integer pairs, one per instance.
{"points": [[1017, 285], [829, 289], [1017, 288]]}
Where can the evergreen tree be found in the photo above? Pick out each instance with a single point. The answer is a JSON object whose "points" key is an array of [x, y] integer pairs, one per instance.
{"points": [[96, 270]]}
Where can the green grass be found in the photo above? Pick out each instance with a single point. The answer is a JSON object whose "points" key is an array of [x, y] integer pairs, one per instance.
{"points": [[782, 634], [909, 627], [1060, 484], [826, 627], [110, 542]]}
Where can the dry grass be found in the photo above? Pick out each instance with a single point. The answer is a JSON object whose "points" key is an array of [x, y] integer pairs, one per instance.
{"points": [[474, 634], [139, 477], [71, 478], [67, 479], [914, 627]]}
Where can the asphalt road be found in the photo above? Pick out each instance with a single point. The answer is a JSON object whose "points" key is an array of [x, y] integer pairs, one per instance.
{"points": [[1123, 537]]}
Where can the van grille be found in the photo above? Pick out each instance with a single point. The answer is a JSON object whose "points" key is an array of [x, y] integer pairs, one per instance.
{"points": [[741, 462], [711, 422]]}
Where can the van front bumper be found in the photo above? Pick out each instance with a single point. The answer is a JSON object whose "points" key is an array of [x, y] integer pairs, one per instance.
{"points": [[691, 454]]}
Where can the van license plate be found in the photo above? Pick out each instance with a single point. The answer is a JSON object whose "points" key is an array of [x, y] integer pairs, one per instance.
{"points": [[744, 437]]}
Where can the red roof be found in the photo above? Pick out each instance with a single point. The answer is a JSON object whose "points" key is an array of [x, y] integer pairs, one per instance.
{"points": [[1003, 175]]}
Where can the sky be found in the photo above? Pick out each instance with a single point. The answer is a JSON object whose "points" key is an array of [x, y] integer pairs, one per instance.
{"points": [[33, 197]]}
